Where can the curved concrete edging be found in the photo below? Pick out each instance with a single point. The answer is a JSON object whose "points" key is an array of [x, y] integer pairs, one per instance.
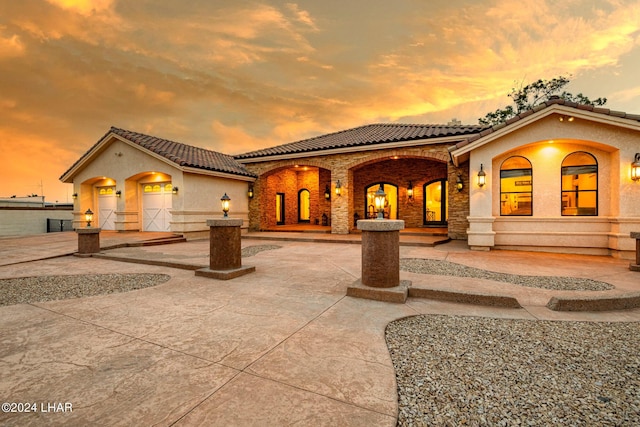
{"points": [[613, 303], [465, 297], [621, 302]]}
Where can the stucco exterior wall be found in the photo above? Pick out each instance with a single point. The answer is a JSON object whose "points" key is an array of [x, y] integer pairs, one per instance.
{"points": [[545, 144], [127, 167]]}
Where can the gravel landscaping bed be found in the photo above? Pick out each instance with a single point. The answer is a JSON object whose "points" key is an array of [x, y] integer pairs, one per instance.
{"points": [[446, 268], [252, 250], [454, 370], [24, 290]]}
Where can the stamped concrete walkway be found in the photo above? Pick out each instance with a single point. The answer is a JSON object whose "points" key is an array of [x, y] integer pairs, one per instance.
{"points": [[281, 346]]}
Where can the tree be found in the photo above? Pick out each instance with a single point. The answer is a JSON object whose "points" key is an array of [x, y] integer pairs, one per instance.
{"points": [[527, 97]]}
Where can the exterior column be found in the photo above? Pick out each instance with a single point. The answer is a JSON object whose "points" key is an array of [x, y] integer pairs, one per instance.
{"points": [[225, 251], [340, 204], [636, 266], [380, 262], [88, 241]]}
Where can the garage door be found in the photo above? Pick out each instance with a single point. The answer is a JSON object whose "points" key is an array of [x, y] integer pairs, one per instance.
{"points": [[107, 205], [156, 207]]}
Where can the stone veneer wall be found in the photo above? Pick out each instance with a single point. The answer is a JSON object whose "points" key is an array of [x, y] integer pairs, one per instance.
{"points": [[399, 172], [417, 164]]}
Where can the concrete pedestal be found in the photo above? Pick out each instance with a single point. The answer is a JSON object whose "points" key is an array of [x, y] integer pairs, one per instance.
{"points": [[225, 251], [636, 266], [380, 262], [88, 241]]}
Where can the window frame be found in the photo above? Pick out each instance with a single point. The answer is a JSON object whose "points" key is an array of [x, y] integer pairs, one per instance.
{"points": [[596, 190], [530, 169]]}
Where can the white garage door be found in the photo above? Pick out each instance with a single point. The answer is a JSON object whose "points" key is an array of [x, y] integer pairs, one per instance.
{"points": [[107, 205], [156, 207]]}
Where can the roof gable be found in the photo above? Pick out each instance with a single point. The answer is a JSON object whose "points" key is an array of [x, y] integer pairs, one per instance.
{"points": [[555, 105], [364, 136], [182, 155]]}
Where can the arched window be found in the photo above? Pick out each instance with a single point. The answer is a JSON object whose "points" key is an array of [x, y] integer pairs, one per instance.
{"points": [[304, 205], [516, 187], [580, 184]]}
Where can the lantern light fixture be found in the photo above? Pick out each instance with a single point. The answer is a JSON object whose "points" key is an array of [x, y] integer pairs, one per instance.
{"points": [[380, 198], [118, 193], [482, 177], [459, 183], [88, 216], [225, 204], [74, 196], [410, 191], [327, 193], [635, 168], [174, 190], [338, 188], [250, 191]]}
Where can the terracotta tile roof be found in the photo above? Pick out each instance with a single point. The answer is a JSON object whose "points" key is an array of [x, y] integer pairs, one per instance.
{"points": [[554, 100], [365, 136], [181, 154]]}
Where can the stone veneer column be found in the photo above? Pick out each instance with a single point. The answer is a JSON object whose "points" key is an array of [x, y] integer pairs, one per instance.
{"points": [[380, 262], [88, 241], [636, 266], [340, 204], [225, 251]]}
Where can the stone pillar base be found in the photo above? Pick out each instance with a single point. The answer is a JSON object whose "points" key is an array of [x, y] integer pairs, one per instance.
{"points": [[636, 266], [88, 241], [225, 253], [224, 274], [395, 294]]}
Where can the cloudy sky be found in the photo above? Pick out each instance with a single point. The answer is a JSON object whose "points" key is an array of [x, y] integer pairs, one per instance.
{"points": [[235, 76]]}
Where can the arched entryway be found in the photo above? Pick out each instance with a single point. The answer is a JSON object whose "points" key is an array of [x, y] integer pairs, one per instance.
{"points": [[390, 200], [292, 195]]}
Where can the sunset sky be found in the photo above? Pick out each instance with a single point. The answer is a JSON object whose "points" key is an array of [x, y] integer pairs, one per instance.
{"points": [[235, 76]]}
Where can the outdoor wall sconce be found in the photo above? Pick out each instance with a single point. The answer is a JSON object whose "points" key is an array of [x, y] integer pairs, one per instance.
{"points": [[118, 193], [174, 190], [225, 205], [380, 197], [88, 216], [459, 183], [327, 193], [482, 177], [635, 168], [74, 196], [410, 190], [250, 191], [338, 188]]}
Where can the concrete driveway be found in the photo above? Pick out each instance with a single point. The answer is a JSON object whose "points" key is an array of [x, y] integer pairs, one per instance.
{"points": [[281, 346]]}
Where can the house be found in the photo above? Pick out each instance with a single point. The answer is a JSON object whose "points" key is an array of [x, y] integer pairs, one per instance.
{"points": [[138, 182], [556, 178]]}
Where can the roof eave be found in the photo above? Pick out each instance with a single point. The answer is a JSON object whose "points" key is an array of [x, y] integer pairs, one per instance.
{"points": [[354, 148]]}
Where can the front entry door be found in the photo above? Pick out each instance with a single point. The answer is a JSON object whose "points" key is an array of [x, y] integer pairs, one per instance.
{"points": [[435, 203], [280, 208]]}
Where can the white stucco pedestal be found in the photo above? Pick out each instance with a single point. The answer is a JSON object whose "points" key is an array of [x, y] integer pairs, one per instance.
{"points": [[380, 262]]}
